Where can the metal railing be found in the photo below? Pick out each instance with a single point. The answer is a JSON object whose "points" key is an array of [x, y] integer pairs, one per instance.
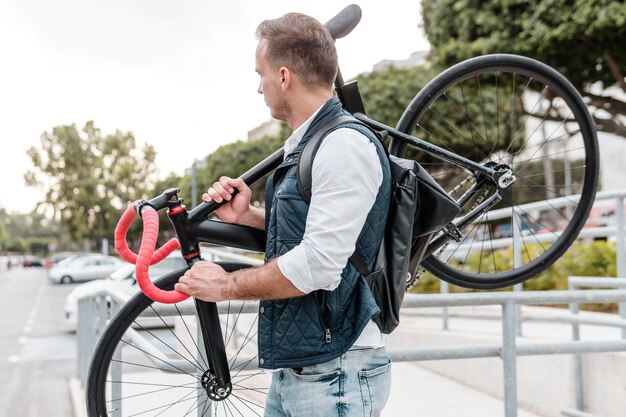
{"points": [[516, 240], [97, 309]]}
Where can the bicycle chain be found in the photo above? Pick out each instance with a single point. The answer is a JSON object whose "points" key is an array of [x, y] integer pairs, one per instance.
{"points": [[410, 283]]}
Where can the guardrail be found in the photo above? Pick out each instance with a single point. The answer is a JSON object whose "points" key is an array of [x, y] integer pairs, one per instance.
{"points": [[618, 229], [95, 311]]}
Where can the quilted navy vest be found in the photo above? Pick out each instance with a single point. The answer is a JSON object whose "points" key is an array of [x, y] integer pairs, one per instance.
{"points": [[322, 325]]}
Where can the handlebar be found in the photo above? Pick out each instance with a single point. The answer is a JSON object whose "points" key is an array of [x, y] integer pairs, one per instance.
{"points": [[147, 256]]}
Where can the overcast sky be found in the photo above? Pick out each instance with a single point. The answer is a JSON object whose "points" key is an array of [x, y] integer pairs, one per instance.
{"points": [[178, 74]]}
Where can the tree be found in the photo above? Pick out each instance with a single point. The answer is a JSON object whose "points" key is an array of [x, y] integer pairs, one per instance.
{"points": [[233, 160], [27, 233], [582, 39], [388, 91], [4, 236], [90, 178]]}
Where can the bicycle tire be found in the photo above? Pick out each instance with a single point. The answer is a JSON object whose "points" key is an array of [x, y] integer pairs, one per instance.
{"points": [[460, 104], [168, 381]]}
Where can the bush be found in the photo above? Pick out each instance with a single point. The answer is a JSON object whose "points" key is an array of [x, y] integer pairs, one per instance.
{"points": [[595, 259]]}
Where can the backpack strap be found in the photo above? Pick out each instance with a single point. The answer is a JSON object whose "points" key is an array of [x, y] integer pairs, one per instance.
{"points": [[305, 170], [305, 164]]}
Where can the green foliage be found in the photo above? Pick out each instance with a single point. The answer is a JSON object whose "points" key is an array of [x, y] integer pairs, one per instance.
{"points": [[388, 91], [233, 160], [596, 259], [582, 39], [90, 177], [27, 233]]}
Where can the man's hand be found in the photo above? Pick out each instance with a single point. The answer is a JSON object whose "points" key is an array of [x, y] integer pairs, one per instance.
{"points": [[206, 281], [209, 282], [237, 207]]}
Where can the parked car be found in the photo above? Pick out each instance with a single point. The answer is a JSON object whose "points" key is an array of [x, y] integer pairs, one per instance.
{"points": [[31, 261], [122, 279], [57, 258], [84, 268]]}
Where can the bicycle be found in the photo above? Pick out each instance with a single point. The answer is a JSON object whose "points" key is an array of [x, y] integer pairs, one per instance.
{"points": [[494, 104]]}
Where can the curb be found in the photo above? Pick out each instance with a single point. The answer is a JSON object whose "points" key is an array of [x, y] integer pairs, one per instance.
{"points": [[77, 395]]}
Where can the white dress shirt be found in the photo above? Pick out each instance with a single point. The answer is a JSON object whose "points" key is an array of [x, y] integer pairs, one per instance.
{"points": [[346, 176]]}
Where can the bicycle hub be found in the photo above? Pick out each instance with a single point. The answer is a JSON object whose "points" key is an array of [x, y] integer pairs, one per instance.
{"points": [[213, 389], [504, 176]]}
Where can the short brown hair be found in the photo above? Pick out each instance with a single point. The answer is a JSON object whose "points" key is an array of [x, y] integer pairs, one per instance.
{"points": [[303, 45]]}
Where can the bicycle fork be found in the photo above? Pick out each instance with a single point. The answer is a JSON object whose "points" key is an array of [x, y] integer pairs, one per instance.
{"points": [[216, 379]]}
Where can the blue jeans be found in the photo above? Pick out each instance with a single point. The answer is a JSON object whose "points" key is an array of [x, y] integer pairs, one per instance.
{"points": [[355, 384]]}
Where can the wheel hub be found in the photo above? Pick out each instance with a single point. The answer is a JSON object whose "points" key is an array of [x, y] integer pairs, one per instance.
{"points": [[506, 179], [213, 389], [504, 174]]}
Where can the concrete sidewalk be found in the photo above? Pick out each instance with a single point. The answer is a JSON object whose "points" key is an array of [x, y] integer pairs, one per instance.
{"points": [[418, 392]]}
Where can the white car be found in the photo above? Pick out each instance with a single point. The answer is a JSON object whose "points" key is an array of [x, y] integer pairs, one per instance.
{"points": [[84, 268], [123, 279]]}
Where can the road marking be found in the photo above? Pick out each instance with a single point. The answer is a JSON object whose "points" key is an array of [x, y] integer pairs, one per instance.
{"points": [[14, 358]]}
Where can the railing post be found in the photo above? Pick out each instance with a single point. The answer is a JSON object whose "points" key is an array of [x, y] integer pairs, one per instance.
{"points": [[620, 250], [444, 288], [509, 359], [84, 336], [517, 263], [620, 246], [578, 368]]}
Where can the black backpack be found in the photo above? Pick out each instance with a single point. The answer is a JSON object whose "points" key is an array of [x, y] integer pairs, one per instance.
{"points": [[408, 229]]}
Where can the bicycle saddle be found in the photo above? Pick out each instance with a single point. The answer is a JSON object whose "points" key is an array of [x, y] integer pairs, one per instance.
{"points": [[343, 23]]}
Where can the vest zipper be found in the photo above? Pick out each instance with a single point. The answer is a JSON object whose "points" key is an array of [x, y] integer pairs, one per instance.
{"points": [[318, 305]]}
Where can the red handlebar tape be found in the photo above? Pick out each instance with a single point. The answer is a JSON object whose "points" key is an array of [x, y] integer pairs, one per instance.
{"points": [[147, 256]]}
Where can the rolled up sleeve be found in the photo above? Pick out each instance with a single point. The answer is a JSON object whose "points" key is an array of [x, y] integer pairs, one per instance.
{"points": [[346, 176]]}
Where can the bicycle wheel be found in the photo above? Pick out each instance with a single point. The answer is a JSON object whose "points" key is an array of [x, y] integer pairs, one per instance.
{"points": [[512, 113], [150, 361]]}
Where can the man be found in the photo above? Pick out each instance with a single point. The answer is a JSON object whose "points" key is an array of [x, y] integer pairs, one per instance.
{"points": [[315, 316]]}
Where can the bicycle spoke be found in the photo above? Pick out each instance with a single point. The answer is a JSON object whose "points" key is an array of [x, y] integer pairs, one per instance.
{"points": [[466, 117], [151, 367], [516, 99], [154, 391], [248, 403], [482, 108], [472, 130], [196, 365], [541, 147], [192, 338], [555, 139], [227, 342]]}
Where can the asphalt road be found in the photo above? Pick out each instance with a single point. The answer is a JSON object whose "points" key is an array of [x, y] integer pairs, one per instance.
{"points": [[37, 349]]}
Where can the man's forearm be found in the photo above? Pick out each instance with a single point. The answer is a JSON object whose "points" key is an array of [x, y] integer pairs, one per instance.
{"points": [[255, 217], [210, 282], [265, 282]]}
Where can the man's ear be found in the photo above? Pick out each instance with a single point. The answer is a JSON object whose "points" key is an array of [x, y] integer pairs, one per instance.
{"points": [[285, 78]]}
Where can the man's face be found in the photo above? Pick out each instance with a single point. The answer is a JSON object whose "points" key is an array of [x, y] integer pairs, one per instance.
{"points": [[270, 84]]}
